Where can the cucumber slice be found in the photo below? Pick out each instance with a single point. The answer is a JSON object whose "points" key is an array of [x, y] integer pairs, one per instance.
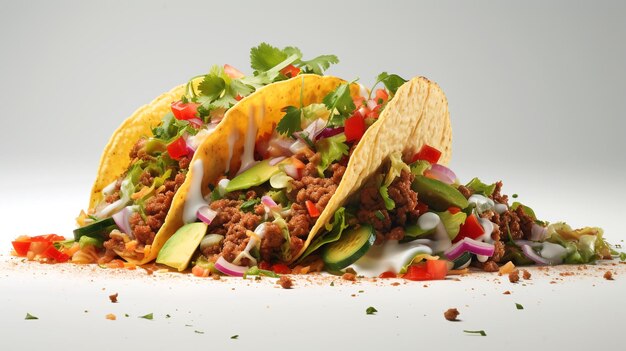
{"points": [[352, 245], [98, 229], [462, 261]]}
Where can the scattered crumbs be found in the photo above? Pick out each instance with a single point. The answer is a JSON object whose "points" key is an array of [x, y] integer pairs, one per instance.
{"points": [[514, 276], [234, 337], [566, 274], [30, 316], [149, 316], [188, 325], [349, 276], [198, 332], [110, 317], [608, 275], [526, 274], [519, 306], [425, 285], [332, 283], [477, 332], [232, 289], [86, 311], [507, 293], [285, 282], [552, 282], [395, 284], [371, 310], [361, 291], [353, 295], [451, 314], [113, 297]]}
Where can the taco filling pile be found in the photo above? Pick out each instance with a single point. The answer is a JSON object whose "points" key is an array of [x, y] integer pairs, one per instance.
{"points": [[289, 171]]}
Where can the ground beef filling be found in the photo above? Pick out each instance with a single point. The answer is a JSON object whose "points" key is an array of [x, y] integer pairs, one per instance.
{"points": [[389, 224]]}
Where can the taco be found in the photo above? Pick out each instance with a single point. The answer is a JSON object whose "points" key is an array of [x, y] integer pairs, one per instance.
{"points": [[264, 200], [136, 200]]}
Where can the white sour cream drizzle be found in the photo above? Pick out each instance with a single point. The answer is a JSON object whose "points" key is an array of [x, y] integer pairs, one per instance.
{"points": [[390, 256], [482, 203], [500, 208], [488, 227], [194, 199], [247, 158], [553, 252], [108, 190], [428, 221], [125, 192], [194, 141], [232, 137], [254, 240]]}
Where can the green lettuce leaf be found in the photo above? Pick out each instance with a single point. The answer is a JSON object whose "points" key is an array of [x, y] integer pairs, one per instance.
{"points": [[481, 188], [395, 170], [331, 149], [452, 222], [333, 234]]}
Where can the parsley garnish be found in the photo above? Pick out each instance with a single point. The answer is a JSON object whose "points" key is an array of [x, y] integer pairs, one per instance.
{"points": [[481, 332], [126, 315], [149, 316], [391, 81], [341, 100], [248, 206], [371, 310], [519, 306], [167, 316], [291, 121], [236, 336], [198, 332], [514, 196], [30, 317]]}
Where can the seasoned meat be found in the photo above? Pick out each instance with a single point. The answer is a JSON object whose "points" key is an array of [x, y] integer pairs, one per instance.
{"points": [[467, 192], [451, 314], [233, 223], [271, 242], [285, 282]]}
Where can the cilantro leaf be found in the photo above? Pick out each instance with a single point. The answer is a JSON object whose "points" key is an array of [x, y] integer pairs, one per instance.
{"points": [[481, 332], [340, 99], [212, 86], [234, 337], [319, 64], [519, 306], [30, 317], [291, 121], [331, 149], [264, 57], [148, 316], [248, 206], [391, 81], [371, 310]]}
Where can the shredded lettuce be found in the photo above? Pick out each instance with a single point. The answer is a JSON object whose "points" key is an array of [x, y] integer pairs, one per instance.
{"points": [[584, 245], [85, 241], [418, 167], [313, 112], [479, 187], [395, 169], [334, 231], [331, 149], [452, 222], [285, 248], [384, 193]]}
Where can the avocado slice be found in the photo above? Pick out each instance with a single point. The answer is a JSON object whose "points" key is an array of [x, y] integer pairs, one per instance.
{"points": [[178, 249], [253, 176], [438, 195]]}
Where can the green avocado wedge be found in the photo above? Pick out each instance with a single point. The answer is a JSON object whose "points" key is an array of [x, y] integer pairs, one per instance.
{"points": [[178, 249], [253, 176], [438, 195]]}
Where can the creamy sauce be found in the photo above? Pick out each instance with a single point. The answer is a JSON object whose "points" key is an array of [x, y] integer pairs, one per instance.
{"points": [[247, 158], [482, 203], [500, 208], [194, 199], [553, 252], [390, 256], [194, 141], [232, 137], [119, 204], [428, 221], [254, 240], [488, 227], [108, 190]]}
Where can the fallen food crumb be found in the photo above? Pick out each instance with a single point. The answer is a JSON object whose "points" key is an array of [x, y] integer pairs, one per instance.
{"points": [[608, 275], [349, 276], [514, 276], [507, 293], [285, 282], [451, 314], [111, 317], [113, 297], [526, 274]]}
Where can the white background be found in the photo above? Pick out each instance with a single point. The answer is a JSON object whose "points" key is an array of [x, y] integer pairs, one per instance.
{"points": [[536, 93]]}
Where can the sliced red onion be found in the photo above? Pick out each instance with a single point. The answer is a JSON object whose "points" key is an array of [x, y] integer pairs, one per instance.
{"points": [[371, 104], [298, 146], [280, 147], [268, 201], [530, 253], [205, 214], [276, 160], [442, 173], [328, 132], [520, 243], [196, 122], [291, 171], [469, 245], [538, 233], [229, 269], [121, 219], [312, 130]]}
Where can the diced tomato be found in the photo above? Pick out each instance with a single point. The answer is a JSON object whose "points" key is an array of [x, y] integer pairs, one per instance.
{"points": [[21, 247], [358, 101], [417, 272], [388, 274], [470, 229], [177, 148], [427, 153], [430, 270], [381, 96], [438, 269], [354, 127], [422, 207], [116, 263], [297, 163], [238, 97], [232, 72], [265, 265], [281, 268], [38, 247], [199, 271], [185, 111], [290, 71], [53, 253], [454, 210], [313, 211]]}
